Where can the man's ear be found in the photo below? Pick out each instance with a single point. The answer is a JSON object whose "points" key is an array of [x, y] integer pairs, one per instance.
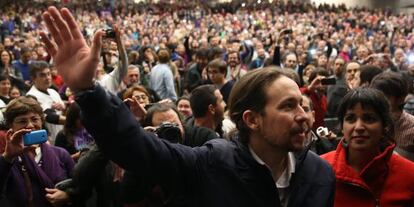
{"points": [[251, 119], [211, 109]]}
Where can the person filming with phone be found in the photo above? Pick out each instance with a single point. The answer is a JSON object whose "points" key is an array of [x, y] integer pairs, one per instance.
{"points": [[30, 167]]}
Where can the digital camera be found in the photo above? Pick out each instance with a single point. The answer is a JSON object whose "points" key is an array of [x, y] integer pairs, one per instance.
{"points": [[169, 131], [109, 33]]}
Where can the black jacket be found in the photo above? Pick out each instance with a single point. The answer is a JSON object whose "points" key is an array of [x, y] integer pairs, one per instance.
{"points": [[220, 173], [92, 181]]}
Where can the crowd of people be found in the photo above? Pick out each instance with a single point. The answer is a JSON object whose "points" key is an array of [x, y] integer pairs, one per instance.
{"points": [[200, 104]]}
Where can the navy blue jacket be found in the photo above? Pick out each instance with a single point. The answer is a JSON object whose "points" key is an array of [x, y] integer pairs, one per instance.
{"points": [[220, 173]]}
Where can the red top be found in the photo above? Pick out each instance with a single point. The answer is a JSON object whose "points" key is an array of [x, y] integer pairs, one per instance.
{"points": [[320, 106], [388, 180]]}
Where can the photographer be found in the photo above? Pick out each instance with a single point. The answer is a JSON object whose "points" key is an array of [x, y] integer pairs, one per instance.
{"points": [[28, 173], [192, 136], [113, 80], [317, 92], [165, 121]]}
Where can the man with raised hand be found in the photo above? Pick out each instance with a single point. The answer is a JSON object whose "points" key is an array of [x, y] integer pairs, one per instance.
{"points": [[264, 165]]}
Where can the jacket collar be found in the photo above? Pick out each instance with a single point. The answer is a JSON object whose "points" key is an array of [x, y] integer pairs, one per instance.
{"points": [[300, 156], [373, 173]]}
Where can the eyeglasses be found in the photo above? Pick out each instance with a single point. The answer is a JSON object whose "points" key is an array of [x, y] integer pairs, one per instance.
{"points": [[141, 97], [35, 120]]}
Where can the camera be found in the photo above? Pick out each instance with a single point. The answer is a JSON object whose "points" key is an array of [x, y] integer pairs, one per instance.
{"points": [[109, 33], [35, 137], [328, 81], [288, 31], [169, 131]]}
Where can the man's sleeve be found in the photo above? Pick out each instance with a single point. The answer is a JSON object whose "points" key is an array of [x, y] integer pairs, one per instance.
{"points": [[120, 137]]}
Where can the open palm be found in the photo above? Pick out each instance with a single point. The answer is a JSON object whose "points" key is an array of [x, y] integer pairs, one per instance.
{"points": [[72, 57]]}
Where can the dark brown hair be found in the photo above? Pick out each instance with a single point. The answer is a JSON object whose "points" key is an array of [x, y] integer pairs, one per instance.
{"points": [[369, 98], [37, 66], [249, 93], [219, 64]]}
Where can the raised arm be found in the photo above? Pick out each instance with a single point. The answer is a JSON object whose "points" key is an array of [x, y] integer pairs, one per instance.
{"points": [[123, 58], [107, 118]]}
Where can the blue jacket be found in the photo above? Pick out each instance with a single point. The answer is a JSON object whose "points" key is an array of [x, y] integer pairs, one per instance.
{"points": [[220, 173]]}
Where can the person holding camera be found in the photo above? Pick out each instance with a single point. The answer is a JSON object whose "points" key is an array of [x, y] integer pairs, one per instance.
{"points": [[317, 92], [265, 166], [165, 121], [28, 173], [112, 80]]}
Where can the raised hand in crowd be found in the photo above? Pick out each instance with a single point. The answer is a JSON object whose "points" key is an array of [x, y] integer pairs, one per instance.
{"points": [[136, 108], [315, 83], [14, 144], [75, 61]]}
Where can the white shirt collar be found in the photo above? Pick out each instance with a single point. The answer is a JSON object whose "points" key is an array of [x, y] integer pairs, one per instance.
{"points": [[284, 180], [38, 154]]}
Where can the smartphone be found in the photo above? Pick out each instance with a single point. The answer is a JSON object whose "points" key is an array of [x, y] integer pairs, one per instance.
{"points": [[328, 81], [35, 137]]}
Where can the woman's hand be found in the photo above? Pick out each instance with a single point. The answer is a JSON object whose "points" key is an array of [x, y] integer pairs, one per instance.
{"points": [[136, 108], [14, 144], [57, 197]]}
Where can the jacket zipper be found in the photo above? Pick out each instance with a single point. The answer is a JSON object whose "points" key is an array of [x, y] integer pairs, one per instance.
{"points": [[377, 200]]}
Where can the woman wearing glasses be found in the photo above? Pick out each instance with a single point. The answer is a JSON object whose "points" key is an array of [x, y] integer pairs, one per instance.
{"points": [[27, 173]]}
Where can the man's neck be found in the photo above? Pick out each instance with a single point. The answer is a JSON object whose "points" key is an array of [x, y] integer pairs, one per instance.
{"points": [[274, 157], [207, 122], [42, 90]]}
